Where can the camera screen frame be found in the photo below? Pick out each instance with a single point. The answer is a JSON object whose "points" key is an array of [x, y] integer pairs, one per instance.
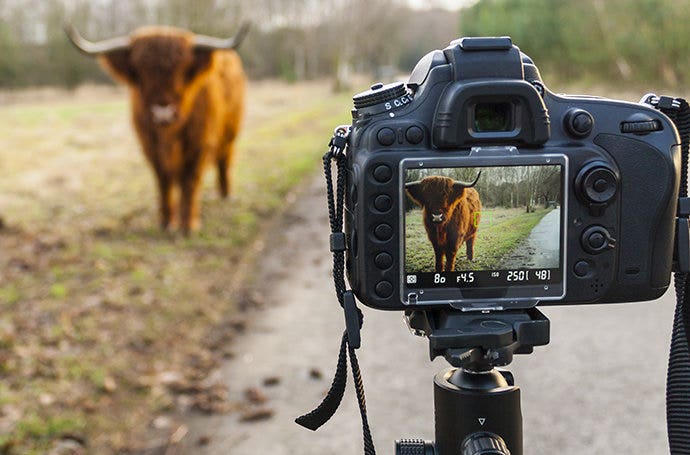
{"points": [[517, 296]]}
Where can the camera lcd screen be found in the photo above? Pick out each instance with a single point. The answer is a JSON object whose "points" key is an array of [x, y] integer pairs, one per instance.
{"points": [[493, 117], [483, 232]]}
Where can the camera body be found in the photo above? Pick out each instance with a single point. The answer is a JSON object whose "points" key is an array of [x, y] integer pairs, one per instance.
{"points": [[474, 187]]}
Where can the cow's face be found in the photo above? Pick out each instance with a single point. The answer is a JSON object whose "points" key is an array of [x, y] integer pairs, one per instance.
{"points": [[165, 71], [438, 196], [440, 214], [435, 195], [164, 66]]}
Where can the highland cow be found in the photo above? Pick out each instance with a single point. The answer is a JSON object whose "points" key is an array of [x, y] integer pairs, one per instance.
{"points": [[187, 96], [451, 212]]}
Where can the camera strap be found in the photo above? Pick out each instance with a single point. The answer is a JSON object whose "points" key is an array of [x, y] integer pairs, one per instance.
{"points": [[678, 376], [354, 318]]}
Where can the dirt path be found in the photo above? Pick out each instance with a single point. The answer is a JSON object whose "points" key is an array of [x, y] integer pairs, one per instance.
{"points": [[540, 248], [597, 388]]}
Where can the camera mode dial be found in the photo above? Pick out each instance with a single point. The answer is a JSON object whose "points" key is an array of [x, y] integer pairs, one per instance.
{"points": [[389, 97]]}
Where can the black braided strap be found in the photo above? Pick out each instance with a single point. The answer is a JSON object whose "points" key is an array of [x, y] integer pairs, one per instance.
{"points": [[329, 405], [678, 377], [353, 316], [359, 388]]}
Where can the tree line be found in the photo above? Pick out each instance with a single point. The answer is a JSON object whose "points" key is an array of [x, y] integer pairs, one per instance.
{"points": [[637, 42], [625, 42], [290, 39], [508, 186]]}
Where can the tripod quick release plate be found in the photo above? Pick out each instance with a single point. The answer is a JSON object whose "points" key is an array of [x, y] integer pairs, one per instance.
{"points": [[481, 340]]}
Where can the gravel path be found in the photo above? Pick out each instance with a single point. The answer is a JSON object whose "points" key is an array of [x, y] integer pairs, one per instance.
{"points": [[541, 247], [598, 388]]}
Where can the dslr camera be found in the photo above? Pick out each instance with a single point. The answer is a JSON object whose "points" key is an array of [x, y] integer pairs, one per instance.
{"points": [[472, 194], [472, 187]]}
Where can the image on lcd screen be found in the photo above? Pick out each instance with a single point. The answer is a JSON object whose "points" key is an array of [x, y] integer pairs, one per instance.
{"points": [[501, 222]]}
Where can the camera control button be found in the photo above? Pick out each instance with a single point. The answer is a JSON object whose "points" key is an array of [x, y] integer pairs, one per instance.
{"points": [[386, 136], [384, 289], [383, 203], [640, 124], [596, 239], [414, 135], [599, 185], [579, 123], [383, 173], [582, 268], [383, 261], [596, 185], [383, 232]]}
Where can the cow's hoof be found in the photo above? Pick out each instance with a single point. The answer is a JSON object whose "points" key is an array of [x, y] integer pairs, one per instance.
{"points": [[170, 226], [191, 228]]}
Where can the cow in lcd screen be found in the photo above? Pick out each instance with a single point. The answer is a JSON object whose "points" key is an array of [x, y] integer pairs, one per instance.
{"points": [[451, 212]]}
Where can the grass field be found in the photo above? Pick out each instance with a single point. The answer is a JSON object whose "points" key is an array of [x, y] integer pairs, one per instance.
{"points": [[500, 232], [105, 322]]}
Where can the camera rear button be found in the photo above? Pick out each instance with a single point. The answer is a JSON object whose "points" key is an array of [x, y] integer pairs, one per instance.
{"points": [[582, 268], [384, 289], [383, 232], [601, 185], [383, 261], [414, 135], [596, 240], [382, 173], [386, 136], [383, 203], [579, 123]]}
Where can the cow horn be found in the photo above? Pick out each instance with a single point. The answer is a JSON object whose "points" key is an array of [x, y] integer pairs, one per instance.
{"points": [[98, 48], [469, 185], [211, 43]]}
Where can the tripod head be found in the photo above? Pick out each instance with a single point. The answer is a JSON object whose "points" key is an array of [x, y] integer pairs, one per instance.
{"points": [[477, 408], [480, 341]]}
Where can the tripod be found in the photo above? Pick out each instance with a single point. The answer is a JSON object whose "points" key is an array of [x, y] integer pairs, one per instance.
{"points": [[477, 408]]}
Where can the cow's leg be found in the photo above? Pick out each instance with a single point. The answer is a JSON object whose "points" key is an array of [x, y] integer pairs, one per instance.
{"points": [[451, 250], [223, 177], [167, 208], [224, 164], [470, 247], [450, 259], [156, 155], [190, 190], [438, 251], [165, 194]]}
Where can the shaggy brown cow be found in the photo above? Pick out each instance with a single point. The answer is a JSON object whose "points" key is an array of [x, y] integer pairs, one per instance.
{"points": [[187, 94], [451, 212]]}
